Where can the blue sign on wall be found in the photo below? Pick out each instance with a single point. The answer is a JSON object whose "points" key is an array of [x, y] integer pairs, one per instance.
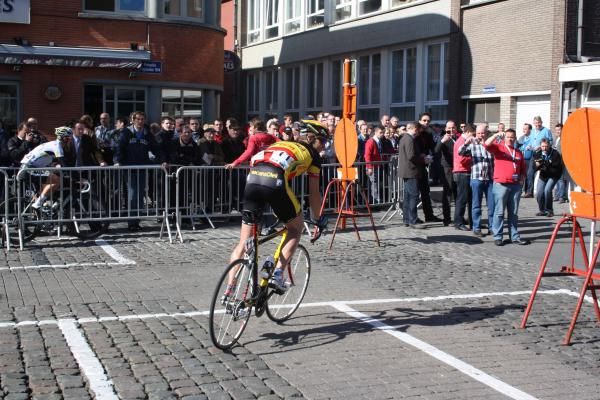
{"points": [[16, 12], [151, 67]]}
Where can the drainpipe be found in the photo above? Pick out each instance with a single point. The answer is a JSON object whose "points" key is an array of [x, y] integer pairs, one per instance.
{"points": [[235, 26], [579, 29]]}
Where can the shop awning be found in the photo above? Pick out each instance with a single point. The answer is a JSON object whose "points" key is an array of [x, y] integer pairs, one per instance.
{"points": [[72, 56], [579, 72]]}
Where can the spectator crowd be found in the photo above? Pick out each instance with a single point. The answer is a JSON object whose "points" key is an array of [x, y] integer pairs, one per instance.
{"points": [[468, 162]]}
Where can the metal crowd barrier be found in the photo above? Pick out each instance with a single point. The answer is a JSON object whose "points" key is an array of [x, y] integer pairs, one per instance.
{"points": [[180, 194]]}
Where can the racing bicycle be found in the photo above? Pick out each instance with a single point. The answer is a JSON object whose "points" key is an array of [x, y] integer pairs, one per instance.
{"points": [[229, 314], [76, 211]]}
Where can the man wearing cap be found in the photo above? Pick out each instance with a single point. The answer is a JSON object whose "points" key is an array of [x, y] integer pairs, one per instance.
{"points": [[258, 141]]}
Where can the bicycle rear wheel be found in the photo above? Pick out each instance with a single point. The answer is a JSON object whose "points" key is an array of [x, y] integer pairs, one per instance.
{"points": [[28, 213], [282, 307], [229, 314]]}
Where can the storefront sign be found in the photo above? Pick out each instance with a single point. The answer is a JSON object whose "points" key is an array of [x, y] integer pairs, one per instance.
{"points": [[151, 67], [232, 61], [58, 61], [14, 11]]}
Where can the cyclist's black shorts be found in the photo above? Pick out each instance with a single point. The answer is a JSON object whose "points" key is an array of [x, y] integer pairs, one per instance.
{"points": [[266, 184]]}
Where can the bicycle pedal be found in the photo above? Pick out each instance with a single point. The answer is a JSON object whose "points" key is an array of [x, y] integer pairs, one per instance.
{"points": [[224, 299]]}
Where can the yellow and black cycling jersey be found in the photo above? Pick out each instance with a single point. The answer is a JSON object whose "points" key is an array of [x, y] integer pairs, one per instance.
{"points": [[294, 158]]}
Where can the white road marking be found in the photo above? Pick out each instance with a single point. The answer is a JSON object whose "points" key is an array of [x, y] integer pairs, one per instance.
{"points": [[89, 364], [108, 249], [111, 251], [191, 314], [438, 354]]}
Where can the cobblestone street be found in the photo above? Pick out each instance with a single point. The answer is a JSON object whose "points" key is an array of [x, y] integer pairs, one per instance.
{"points": [[431, 314]]}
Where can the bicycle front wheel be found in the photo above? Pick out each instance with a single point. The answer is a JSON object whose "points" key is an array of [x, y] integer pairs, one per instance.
{"points": [[89, 207], [230, 308], [280, 307]]}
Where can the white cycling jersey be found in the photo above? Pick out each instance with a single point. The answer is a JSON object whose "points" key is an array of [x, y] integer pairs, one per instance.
{"points": [[43, 155]]}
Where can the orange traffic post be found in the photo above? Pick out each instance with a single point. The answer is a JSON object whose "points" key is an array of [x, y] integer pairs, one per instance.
{"points": [[346, 149]]}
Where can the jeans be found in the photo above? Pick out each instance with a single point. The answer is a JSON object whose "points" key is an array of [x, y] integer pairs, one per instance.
{"points": [[562, 186], [506, 196], [530, 176], [136, 190], [409, 203], [375, 178], [544, 194], [463, 198], [480, 189]]}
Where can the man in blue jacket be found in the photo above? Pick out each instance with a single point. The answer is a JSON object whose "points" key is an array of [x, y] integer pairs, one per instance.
{"points": [[134, 144]]}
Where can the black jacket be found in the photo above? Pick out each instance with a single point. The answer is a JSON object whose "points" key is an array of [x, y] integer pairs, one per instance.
{"points": [[17, 148], [550, 166], [184, 154]]}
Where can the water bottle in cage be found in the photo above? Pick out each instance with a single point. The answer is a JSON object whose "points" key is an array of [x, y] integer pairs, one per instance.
{"points": [[265, 270]]}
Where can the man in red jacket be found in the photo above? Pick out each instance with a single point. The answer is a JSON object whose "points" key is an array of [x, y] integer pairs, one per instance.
{"points": [[509, 175], [373, 150]]}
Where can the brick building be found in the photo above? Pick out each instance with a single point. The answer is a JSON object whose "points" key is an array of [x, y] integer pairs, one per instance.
{"points": [[473, 60], [60, 59]]}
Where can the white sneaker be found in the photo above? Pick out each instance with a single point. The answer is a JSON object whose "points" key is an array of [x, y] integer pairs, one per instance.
{"points": [[38, 203], [278, 283]]}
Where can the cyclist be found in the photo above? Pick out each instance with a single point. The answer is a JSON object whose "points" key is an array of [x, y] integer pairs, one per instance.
{"points": [[268, 183], [45, 155]]}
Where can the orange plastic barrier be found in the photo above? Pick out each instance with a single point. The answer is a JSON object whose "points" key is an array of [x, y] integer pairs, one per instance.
{"points": [[581, 155]]}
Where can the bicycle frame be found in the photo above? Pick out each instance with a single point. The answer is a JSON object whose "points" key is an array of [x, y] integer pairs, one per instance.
{"points": [[257, 289]]}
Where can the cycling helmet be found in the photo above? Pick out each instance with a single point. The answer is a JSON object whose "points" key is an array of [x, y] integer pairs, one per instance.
{"points": [[63, 131], [314, 127]]}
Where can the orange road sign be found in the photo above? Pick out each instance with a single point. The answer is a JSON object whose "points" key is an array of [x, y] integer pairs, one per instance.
{"points": [[580, 144]]}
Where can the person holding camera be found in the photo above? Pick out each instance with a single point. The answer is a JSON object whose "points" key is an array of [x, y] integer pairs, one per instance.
{"points": [[548, 162], [20, 144]]}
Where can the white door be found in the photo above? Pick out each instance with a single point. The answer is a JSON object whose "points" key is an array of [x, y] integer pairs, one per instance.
{"points": [[530, 106]]}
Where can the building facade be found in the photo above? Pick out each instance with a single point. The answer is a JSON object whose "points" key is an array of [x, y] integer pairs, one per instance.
{"points": [[471, 60], [61, 59]]}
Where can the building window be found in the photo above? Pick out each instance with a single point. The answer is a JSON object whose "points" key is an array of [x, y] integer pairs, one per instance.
{"points": [[122, 101], [369, 79], [254, 25], [272, 18], [253, 92], [292, 88], [436, 90], [344, 9], [404, 83], [315, 86], [181, 103], [400, 3], [138, 6], [293, 16], [272, 89], [368, 6], [183, 8], [593, 94], [484, 111], [9, 103], [315, 14], [337, 76]]}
